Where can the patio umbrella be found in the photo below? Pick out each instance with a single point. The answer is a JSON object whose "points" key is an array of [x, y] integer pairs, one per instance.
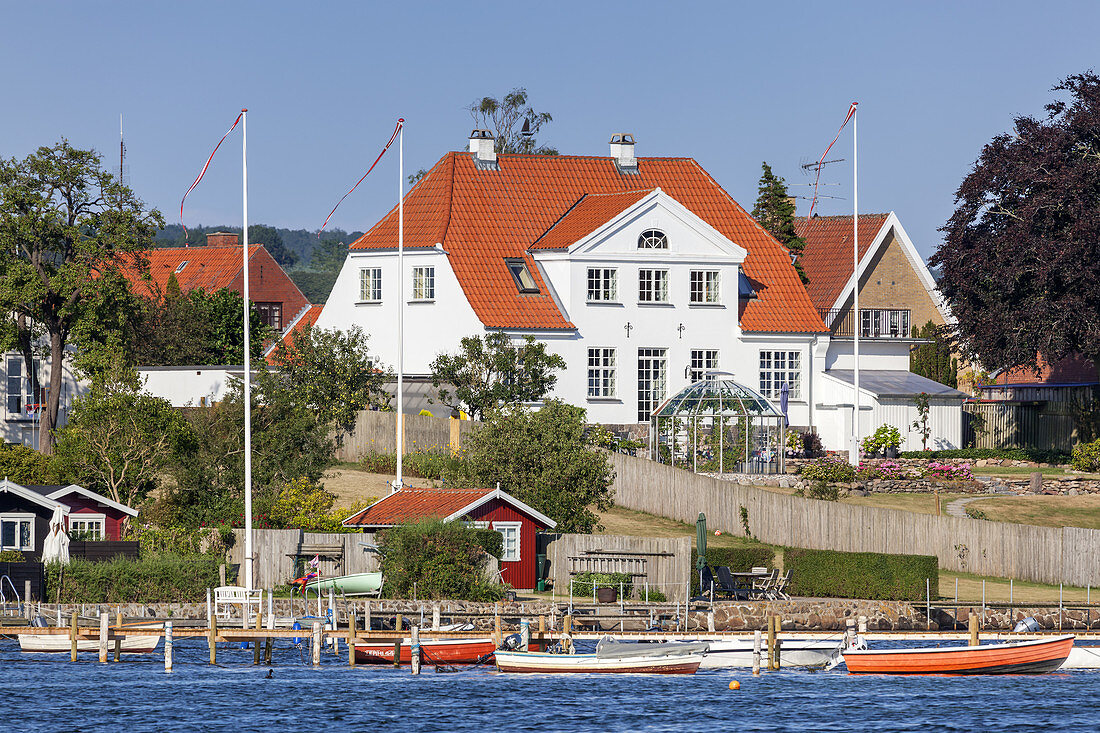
{"points": [[56, 546], [784, 396], [701, 547]]}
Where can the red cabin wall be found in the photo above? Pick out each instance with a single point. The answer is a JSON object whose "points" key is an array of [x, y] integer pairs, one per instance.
{"points": [[520, 574], [80, 504]]}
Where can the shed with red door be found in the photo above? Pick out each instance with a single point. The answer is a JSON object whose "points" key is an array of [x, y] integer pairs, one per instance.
{"points": [[487, 508]]}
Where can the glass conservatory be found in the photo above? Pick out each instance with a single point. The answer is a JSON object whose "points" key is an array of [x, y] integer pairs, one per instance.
{"points": [[718, 425]]}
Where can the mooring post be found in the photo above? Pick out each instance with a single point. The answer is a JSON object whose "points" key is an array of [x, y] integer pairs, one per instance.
{"points": [[542, 633], [1059, 606], [862, 627], [771, 642], [118, 638], [212, 639], [397, 654], [104, 620], [271, 608], [256, 641], [567, 633], [414, 649], [351, 640], [398, 623], [167, 646], [497, 635], [435, 617], [525, 635], [849, 633], [756, 653], [972, 620], [72, 636], [778, 643], [316, 643], [710, 620], [366, 613], [209, 606]]}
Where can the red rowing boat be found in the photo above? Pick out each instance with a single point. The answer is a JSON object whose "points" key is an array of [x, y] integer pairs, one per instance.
{"points": [[432, 651], [1018, 657]]}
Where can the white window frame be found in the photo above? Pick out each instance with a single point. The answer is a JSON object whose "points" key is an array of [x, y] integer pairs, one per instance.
{"points": [[370, 284], [601, 372], [652, 285], [701, 362], [423, 283], [652, 380], [89, 519], [705, 287], [778, 366], [603, 285], [16, 518], [652, 239], [502, 527]]}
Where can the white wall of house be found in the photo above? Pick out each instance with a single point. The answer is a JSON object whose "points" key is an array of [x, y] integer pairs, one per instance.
{"points": [[189, 386], [20, 423]]}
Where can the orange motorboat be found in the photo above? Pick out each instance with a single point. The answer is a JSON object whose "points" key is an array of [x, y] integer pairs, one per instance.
{"points": [[1017, 657]]}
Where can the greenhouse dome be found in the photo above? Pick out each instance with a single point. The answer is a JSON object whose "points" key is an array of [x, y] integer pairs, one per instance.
{"points": [[718, 424]]}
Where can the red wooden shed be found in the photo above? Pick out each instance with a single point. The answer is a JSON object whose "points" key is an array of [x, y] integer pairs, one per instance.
{"points": [[490, 508]]}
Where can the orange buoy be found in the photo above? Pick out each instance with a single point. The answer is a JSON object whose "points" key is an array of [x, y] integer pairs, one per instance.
{"points": [[735, 685]]}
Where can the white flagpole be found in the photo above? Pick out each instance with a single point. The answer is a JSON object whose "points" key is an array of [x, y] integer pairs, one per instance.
{"points": [[247, 367], [400, 303], [857, 322]]}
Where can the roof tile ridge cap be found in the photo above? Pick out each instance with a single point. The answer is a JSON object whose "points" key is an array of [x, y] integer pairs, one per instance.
{"points": [[442, 239]]}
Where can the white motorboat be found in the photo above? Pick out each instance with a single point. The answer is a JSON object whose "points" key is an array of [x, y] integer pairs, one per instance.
{"points": [[610, 657], [1082, 657], [737, 652], [61, 643]]}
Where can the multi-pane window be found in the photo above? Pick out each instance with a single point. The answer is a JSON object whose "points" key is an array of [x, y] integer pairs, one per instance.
{"points": [[652, 286], [777, 367], [510, 532], [875, 322], [601, 372], [271, 314], [652, 239], [370, 284], [17, 532], [702, 361], [423, 283], [524, 282], [90, 528], [652, 381], [704, 286], [15, 386], [24, 395], [602, 284]]}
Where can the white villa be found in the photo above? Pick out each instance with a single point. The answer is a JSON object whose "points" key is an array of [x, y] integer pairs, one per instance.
{"points": [[642, 273]]}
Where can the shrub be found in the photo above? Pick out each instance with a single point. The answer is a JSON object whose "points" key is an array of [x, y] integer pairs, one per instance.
{"points": [[585, 583], [864, 575], [886, 436], [737, 559], [11, 556], [822, 475], [26, 466], [948, 471], [375, 462], [159, 579], [811, 443], [1086, 456], [1012, 454], [444, 560], [184, 541], [302, 505], [435, 465]]}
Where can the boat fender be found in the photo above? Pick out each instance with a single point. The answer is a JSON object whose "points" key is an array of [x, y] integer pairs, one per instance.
{"points": [[297, 627]]}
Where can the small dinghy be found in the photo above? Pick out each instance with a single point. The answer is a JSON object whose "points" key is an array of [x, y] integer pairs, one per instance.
{"points": [[611, 657], [1017, 657], [432, 651]]}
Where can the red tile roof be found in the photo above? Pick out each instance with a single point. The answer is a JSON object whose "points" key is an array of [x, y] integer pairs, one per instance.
{"points": [[413, 504], [827, 259], [586, 216], [209, 268], [1071, 370], [482, 216], [307, 318]]}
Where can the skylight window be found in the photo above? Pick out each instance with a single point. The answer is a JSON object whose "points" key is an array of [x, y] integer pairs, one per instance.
{"points": [[182, 265], [521, 275]]}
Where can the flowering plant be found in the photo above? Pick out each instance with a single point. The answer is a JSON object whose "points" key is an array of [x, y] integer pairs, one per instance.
{"points": [[949, 472]]}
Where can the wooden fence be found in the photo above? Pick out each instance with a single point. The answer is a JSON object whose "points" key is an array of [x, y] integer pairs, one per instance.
{"points": [[376, 432], [18, 573], [104, 550], [1039, 426], [276, 550], [1044, 554], [667, 560]]}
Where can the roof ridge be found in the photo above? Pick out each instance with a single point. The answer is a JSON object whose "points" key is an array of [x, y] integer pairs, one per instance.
{"points": [[557, 221], [839, 216]]}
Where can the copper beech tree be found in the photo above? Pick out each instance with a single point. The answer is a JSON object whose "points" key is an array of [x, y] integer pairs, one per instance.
{"points": [[1021, 254]]}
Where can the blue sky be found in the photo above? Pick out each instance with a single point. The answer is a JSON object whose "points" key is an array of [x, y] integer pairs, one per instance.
{"points": [[730, 84]]}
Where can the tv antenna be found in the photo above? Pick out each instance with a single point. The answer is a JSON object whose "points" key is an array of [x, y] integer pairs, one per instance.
{"points": [[816, 165], [123, 169]]}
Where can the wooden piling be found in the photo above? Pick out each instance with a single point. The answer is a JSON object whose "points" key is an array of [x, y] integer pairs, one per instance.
{"points": [[710, 620], [498, 635], [397, 654], [542, 633], [268, 643], [27, 600], [862, 624], [72, 636], [756, 653], [256, 641], [849, 633], [316, 643], [118, 639], [771, 642], [525, 635], [167, 646], [351, 639], [567, 633], [972, 621], [104, 621], [212, 639], [398, 623], [778, 643], [435, 617], [414, 649]]}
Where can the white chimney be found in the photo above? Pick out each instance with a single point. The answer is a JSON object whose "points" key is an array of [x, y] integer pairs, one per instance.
{"points": [[482, 149], [622, 152]]}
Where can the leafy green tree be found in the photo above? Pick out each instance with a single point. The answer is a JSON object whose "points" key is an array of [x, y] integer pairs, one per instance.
{"points": [[120, 438], [441, 559], [332, 374], [513, 121], [774, 211], [934, 360], [545, 459], [25, 465], [272, 241], [66, 224], [490, 372]]}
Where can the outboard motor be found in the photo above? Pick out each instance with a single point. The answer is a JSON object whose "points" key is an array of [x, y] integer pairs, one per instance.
{"points": [[512, 642], [1027, 625], [39, 622]]}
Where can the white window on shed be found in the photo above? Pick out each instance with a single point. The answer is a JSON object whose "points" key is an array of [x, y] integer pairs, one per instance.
{"points": [[510, 532]]}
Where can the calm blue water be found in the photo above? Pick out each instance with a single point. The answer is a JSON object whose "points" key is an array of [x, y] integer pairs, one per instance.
{"points": [[43, 692]]}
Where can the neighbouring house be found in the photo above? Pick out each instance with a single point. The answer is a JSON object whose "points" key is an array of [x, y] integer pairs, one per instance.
{"points": [[25, 513], [25, 391], [486, 508], [897, 296]]}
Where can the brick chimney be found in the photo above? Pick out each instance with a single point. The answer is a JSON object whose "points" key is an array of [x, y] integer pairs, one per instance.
{"points": [[622, 152], [222, 239], [483, 150]]}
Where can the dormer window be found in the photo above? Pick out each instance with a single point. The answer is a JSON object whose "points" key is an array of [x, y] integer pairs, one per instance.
{"points": [[182, 265], [524, 282], [652, 239]]}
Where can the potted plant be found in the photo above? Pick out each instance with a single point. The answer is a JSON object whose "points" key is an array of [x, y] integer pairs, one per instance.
{"points": [[607, 595], [811, 444], [884, 440]]}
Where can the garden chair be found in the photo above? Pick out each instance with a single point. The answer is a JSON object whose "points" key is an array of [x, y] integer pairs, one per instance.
{"points": [[227, 596], [759, 570], [780, 589], [762, 587], [729, 584]]}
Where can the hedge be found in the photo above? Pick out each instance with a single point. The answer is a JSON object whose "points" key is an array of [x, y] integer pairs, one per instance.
{"points": [[737, 559], [158, 579], [438, 560], [864, 575], [1012, 454]]}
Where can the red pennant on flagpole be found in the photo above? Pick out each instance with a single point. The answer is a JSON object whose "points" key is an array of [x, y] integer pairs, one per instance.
{"points": [[817, 174], [396, 131], [203, 171]]}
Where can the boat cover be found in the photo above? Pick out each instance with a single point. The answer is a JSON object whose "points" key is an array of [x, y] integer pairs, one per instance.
{"points": [[608, 648]]}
